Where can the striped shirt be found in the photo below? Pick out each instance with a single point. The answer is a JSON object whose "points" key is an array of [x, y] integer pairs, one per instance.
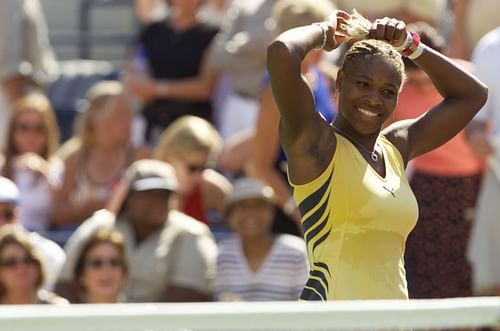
{"points": [[281, 276]]}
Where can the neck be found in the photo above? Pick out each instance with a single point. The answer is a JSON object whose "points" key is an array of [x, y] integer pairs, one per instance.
{"points": [[182, 20], [20, 297], [368, 141], [258, 245], [96, 298]]}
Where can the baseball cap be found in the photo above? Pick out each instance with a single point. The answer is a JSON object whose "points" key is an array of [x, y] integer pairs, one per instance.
{"points": [[148, 174], [249, 188], [9, 193]]}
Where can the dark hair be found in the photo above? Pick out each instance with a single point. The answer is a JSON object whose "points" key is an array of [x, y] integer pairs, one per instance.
{"points": [[12, 234], [100, 236], [371, 48]]}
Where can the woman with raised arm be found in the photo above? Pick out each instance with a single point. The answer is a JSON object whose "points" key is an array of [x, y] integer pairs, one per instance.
{"points": [[356, 204]]}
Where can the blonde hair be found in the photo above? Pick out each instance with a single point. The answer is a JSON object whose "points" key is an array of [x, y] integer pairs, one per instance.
{"points": [[188, 134], [96, 99], [38, 102], [289, 14], [358, 29]]}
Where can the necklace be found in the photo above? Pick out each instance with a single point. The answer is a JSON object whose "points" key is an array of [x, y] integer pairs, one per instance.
{"points": [[373, 154]]}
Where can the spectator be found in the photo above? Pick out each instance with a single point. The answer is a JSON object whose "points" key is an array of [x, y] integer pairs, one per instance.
{"points": [[239, 54], [435, 249], [191, 145], [26, 57], [175, 83], [97, 157], [472, 20], [32, 140], [253, 263], [22, 270], [484, 136], [101, 268], [10, 213], [171, 256]]}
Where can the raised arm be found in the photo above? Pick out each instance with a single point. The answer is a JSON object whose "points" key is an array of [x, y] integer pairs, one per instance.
{"points": [[463, 96], [301, 128]]}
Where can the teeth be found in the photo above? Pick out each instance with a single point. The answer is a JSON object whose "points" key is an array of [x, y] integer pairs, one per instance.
{"points": [[367, 112]]}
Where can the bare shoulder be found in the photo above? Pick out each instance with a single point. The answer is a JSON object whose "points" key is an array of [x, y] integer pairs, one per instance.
{"points": [[397, 134]]}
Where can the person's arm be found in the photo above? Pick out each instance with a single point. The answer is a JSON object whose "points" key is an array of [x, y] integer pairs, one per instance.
{"points": [[463, 96], [266, 149], [199, 88], [66, 212], [215, 188], [302, 130]]}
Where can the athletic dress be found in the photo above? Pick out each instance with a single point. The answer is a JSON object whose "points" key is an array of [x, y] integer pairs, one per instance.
{"points": [[355, 226]]}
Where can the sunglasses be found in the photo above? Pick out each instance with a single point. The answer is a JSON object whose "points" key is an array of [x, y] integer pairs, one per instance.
{"points": [[196, 168], [12, 262], [99, 263], [7, 215], [24, 127]]}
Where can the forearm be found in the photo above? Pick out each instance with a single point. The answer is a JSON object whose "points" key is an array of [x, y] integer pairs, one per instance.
{"points": [[453, 82], [13, 87], [274, 179], [185, 89]]}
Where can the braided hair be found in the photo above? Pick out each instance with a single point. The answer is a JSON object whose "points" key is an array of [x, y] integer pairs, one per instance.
{"points": [[366, 49]]}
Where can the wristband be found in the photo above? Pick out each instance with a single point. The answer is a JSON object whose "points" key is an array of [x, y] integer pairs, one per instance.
{"points": [[412, 47], [406, 43], [417, 52], [323, 31]]}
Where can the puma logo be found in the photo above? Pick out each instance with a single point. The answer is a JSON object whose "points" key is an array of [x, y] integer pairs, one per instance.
{"points": [[391, 191]]}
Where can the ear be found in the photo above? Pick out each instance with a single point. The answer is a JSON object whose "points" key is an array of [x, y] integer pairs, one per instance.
{"points": [[339, 81]]}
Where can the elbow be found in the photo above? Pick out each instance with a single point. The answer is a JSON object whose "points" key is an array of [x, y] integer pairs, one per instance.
{"points": [[482, 95], [277, 53]]}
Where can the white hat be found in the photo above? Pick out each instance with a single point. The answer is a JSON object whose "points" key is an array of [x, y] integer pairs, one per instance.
{"points": [[9, 193], [145, 175], [250, 188]]}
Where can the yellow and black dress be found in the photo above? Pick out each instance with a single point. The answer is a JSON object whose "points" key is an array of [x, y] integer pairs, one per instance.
{"points": [[355, 226]]}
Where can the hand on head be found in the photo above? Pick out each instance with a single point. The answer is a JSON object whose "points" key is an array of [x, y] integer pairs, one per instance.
{"points": [[389, 29], [339, 22]]}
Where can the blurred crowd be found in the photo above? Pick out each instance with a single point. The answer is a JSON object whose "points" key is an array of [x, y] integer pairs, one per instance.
{"points": [[197, 207]]}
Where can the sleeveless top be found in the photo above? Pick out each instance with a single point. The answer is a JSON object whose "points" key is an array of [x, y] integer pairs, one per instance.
{"points": [[193, 206], [355, 226]]}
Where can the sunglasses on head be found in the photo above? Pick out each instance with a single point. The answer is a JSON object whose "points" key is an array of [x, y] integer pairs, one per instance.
{"points": [[12, 262], [7, 215], [30, 127], [99, 263]]}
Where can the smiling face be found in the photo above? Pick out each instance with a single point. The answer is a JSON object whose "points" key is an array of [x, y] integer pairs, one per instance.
{"points": [[368, 93], [104, 273], [30, 133], [19, 271], [251, 218]]}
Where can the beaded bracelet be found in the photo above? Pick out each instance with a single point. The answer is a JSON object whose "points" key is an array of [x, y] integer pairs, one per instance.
{"points": [[323, 31]]}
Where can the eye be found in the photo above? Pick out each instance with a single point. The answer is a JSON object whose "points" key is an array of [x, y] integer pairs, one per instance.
{"points": [[362, 83], [389, 92]]}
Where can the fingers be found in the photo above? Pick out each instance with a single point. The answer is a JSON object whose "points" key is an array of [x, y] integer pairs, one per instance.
{"points": [[389, 29]]}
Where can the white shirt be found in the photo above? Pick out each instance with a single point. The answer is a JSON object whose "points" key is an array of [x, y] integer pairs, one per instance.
{"points": [[281, 276]]}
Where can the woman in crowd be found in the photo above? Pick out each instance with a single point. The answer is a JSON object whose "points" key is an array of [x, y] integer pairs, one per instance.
{"points": [[191, 145], [169, 72], [97, 157], [254, 264], [349, 182], [22, 270], [32, 141], [101, 268]]}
